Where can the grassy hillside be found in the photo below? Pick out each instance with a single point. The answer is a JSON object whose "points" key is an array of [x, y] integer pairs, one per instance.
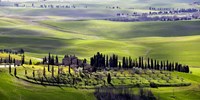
{"points": [[159, 40], [174, 41], [13, 88], [128, 30]]}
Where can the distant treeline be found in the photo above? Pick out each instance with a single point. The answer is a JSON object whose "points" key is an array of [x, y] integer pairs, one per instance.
{"points": [[100, 61], [19, 51]]}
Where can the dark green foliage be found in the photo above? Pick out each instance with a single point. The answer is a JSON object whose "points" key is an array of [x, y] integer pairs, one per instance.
{"points": [[10, 70], [56, 62], [14, 61], [99, 62], [153, 85], [33, 73], [30, 62], [109, 78], [23, 60], [15, 71], [52, 71], [44, 72]]}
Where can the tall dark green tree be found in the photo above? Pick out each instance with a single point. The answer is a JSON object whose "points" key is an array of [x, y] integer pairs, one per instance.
{"points": [[44, 71], [30, 62], [49, 58], [109, 78], [15, 71], [57, 62], [23, 60], [10, 70], [107, 60], [52, 71], [9, 59], [14, 62], [33, 73], [148, 63]]}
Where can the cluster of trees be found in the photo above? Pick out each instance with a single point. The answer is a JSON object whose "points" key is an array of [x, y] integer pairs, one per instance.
{"points": [[57, 6], [10, 51], [113, 7], [176, 10], [122, 93], [11, 60], [140, 18], [101, 61], [66, 61], [50, 60]]}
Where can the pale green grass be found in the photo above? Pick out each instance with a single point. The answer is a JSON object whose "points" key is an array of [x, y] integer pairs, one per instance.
{"points": [[182, 93], [120, 30]]}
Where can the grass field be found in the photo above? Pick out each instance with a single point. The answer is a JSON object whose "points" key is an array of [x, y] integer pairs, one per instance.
{"points": [[13, 88], [174, 41]]}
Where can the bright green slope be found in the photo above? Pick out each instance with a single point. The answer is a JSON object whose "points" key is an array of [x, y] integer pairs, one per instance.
{"points": [[121, 30], [12, 88], [174, 41], [182, 93]]}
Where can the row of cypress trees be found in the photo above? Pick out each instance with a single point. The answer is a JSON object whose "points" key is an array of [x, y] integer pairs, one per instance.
{"points": [[102, 61]]}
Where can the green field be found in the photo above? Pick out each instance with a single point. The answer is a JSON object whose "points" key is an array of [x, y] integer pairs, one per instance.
{"points": [[173, 41]]}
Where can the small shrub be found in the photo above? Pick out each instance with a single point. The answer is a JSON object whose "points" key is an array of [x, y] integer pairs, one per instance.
{"points": [[153, 85]]}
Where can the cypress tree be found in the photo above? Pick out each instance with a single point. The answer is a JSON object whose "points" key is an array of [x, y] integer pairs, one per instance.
{"points": [[15, 71], [123, 62], [161, 65], [44, 71], [167, 65], [155, 64], [23, 60], [109, 78], [33, 73], [30, 62], [107, 60], [10, 70], [57, 62], [136, 63], [142, 63], [14, 62], [148, 63], [130, 63], [120, 66], [9, 59], [52, 71], [52, 60], [152, 66], [49, 59]]}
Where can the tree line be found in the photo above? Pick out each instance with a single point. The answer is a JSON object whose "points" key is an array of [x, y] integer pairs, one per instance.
{"points": [[10, 51], [99, 61]]}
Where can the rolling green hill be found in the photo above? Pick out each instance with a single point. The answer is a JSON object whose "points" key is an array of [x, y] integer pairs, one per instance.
{"points": [[174, 41], [120, 30], [13, 88]]}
